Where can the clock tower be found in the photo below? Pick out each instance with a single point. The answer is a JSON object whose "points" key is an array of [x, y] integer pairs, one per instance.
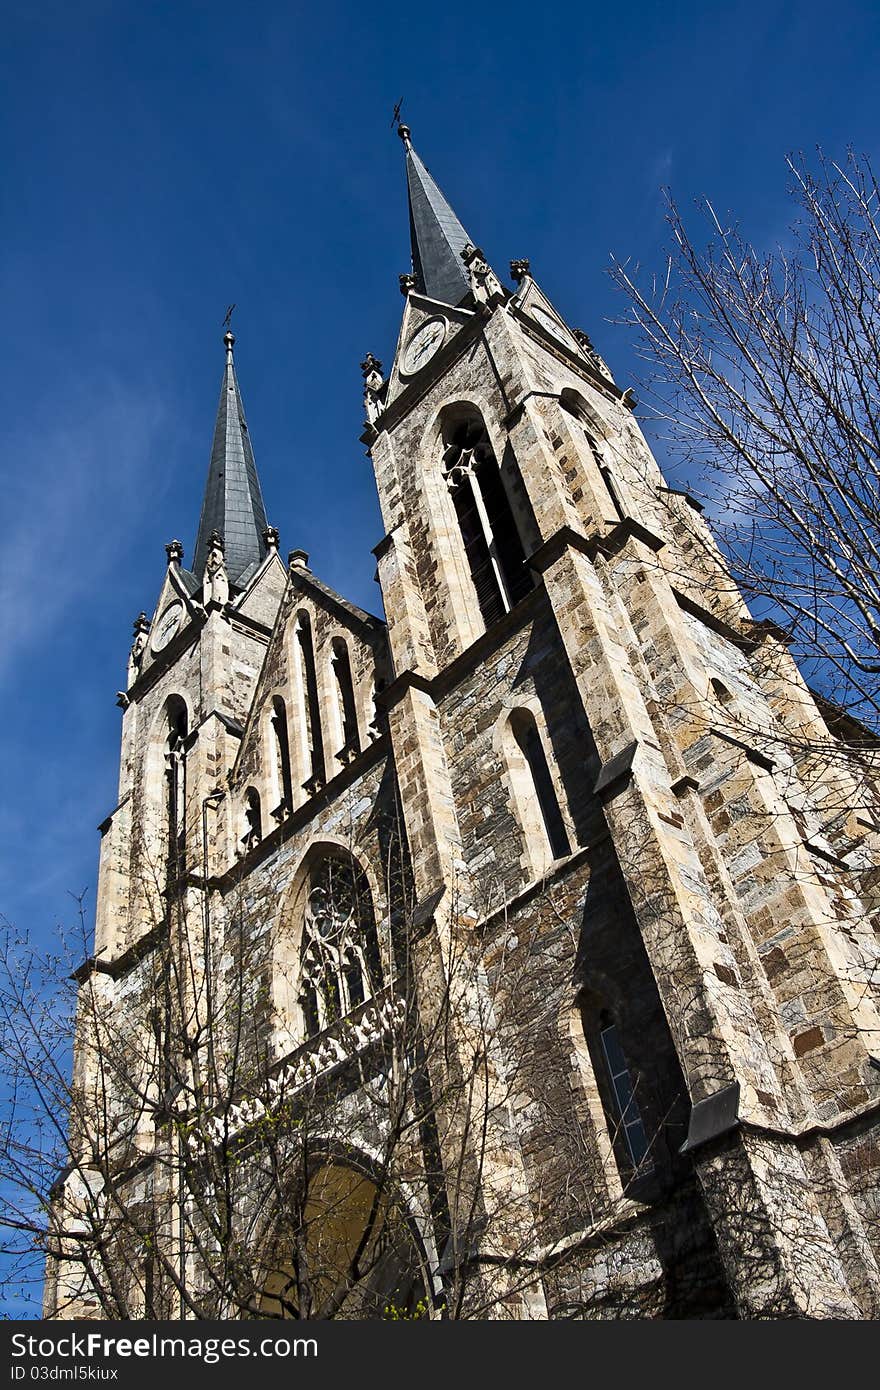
{"points": [[191, 676], [543, 936]]}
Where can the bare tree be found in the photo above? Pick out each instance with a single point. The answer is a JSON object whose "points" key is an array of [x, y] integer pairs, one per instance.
{"points": [[192, 1168], [766, 368]]}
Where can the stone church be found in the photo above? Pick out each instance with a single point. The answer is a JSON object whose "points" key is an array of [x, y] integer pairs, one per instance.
{"points": [[509, 956]]}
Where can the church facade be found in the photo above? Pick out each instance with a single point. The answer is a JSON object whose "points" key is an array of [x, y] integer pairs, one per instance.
{"points": [[511, 956]]}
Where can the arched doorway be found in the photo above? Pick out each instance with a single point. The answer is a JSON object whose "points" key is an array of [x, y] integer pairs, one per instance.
{"points": [[345, 1248]]}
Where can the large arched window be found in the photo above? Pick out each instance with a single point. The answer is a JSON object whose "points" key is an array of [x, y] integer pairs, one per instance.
{"points": [[340, 966], [488, 527], [534, 794]]}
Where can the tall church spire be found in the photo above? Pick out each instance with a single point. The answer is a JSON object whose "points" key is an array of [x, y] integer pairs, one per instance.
{"points": [[438, 238], [233, 503]]}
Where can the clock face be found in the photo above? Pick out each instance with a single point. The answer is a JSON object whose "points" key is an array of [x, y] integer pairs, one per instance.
{"points": [[552, 325], [426, 340], [167, 626]]}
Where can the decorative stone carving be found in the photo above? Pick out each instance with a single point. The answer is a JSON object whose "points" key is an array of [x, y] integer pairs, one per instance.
{"points": [[371, 366], [373, 387], [340, 1044], [271, 537], [174, 551], [519, 270], [485, 285], [216, 584], [138, 647], [584, 342], [407, 283], [298, 559]]}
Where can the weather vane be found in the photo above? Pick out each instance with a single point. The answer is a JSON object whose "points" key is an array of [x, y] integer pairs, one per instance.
{"points": [[395, 119], [227, 322]]}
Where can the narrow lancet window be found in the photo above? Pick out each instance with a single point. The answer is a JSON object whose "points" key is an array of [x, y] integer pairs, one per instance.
{"points": [[576, 406], [310, 709], [627, 1115], [488, 527], [339, 660], [281, 754], [535, 793], [175, 773], [253, 819]]}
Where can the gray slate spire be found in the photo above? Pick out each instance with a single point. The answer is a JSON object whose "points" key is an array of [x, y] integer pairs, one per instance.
{"points": [[233, 502], [438, 238]]}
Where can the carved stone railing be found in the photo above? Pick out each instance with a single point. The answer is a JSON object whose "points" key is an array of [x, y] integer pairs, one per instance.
{"points": [[338, 1045]]}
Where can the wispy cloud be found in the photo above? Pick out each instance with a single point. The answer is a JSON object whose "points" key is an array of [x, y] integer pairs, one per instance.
{"points": [[72, 484], [659, 170]]}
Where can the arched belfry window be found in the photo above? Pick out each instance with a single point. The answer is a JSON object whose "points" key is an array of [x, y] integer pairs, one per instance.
{"points": [[347, 714], [575, 405], [534, 793], [340, 966], [175, 781], [488, 527]]}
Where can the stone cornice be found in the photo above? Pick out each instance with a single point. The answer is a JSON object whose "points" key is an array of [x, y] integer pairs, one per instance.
{"points": [[711, 620]]}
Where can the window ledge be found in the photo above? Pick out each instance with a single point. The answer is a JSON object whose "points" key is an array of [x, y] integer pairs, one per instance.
{"points": [[557, 870]]}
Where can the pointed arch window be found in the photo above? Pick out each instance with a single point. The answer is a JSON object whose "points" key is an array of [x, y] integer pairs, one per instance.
{"points": [[347, 713], [628, 1113], [309, 707], [575, 405], [253, 819], [617, 1086], [175, 781], [534, 792], [492, 542], [281, 757], [340, 966]]}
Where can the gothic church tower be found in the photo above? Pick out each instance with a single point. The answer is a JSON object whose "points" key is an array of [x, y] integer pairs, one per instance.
{"points": [[563, 807]]}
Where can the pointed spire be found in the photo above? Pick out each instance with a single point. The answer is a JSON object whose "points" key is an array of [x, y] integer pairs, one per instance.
{"points": [[233, 504], [438, 238]]}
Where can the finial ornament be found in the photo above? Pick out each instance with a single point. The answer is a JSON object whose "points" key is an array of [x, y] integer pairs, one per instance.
{"points": [[271, 537], [138, 647], [485, 285], [405, 135], [407, 283], [519, 270], [585, 343], [229, 341], [370, 365], [373, 383], [174, 551]]}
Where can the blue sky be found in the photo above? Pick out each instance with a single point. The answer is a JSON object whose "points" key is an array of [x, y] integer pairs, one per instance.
{"points": [[164, 160]]}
